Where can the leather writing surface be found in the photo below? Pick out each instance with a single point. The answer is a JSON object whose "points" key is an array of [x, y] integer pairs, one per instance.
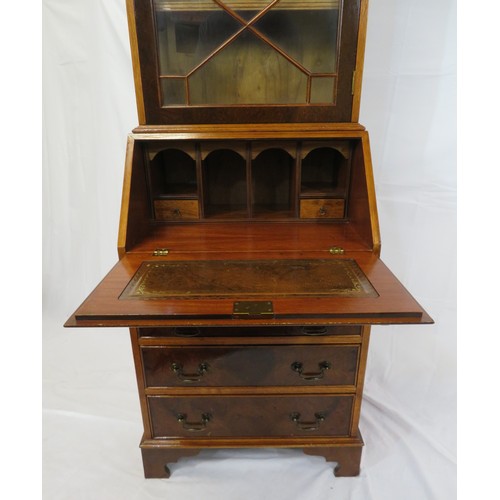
{"points": [[249, 278]]}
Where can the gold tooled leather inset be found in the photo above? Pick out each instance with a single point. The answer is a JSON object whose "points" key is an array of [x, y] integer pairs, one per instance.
{"points": [[249, 278]]}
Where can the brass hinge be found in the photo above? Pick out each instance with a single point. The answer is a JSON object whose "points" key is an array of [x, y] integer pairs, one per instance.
{"points": [[337, 251], [353, 82], [160, 252]]}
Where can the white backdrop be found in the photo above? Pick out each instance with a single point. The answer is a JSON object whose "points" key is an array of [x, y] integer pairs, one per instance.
{"points": [[92, 423]]}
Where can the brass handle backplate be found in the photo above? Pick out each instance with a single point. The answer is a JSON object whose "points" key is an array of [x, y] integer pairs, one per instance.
{"points": [[187, 331], [190, 377], [314, 330], [194, 426], [298, 367], [307, 426]]}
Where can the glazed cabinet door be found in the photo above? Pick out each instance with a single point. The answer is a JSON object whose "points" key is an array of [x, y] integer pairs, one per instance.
{"points": [[230, 61]]}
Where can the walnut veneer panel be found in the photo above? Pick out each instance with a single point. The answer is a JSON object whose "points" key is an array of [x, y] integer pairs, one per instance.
{"points": [[250, 366], [250, 416]]}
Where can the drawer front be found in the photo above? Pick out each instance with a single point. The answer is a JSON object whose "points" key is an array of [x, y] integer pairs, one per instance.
{"points": [[177, 209], [250, 366], [274, 331], [322, 209], [238, 416]]}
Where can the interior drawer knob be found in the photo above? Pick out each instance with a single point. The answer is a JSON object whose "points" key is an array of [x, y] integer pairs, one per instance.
{"points": [[298, 367], [194, 426], [307, 426], [190, 377], [322, 211]]}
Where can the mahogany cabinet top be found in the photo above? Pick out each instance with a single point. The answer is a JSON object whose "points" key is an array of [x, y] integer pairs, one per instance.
{"points": [[247, 61]]}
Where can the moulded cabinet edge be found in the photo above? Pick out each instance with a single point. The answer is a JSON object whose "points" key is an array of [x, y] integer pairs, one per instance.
{"points": [[135, 208]]}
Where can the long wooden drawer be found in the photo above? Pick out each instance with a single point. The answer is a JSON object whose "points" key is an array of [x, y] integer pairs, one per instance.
{"points": [[234, 366], [241, 416], [264, 331]]}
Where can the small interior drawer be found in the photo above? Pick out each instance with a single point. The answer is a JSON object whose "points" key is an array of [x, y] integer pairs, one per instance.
{"points": [[235, 366], [177, 209], [242, 416], [322, 208]]}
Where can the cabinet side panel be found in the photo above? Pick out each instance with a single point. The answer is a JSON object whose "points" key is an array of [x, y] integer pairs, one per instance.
{"points": [[363, 356], [135, 210], [362, 202], [372, 199], [139, 372]]}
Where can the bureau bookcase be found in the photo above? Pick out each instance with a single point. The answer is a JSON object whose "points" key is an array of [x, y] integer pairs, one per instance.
{"points": [[249, 268]]}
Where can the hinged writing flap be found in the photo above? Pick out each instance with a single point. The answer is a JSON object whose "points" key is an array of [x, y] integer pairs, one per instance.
{"points": [[359, 290]]}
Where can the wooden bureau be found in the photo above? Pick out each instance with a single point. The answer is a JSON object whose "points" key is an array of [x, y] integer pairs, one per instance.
{"points": [[249, 271]]}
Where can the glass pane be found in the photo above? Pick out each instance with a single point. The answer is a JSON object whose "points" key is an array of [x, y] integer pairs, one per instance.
{"points": [[248, 71], [308, 36], [322, 89], [243, 7], [188, 32], [173, 91], [227, 60], [247, 9]]}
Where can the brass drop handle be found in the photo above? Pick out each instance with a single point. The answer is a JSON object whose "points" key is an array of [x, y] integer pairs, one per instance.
{"points": [[314, 330], [194, 426], [307, 426], [322, 211], [190, 377], [177, 212], [298, 367], [186, 331]]}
